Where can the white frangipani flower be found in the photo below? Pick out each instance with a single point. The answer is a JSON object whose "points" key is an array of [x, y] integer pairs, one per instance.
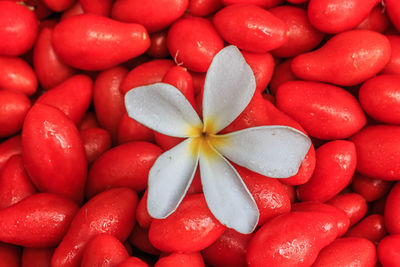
{"points": [[274, 151]]}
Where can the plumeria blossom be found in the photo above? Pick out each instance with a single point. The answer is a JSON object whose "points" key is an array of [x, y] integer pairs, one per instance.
{"points": [[274, 151]]}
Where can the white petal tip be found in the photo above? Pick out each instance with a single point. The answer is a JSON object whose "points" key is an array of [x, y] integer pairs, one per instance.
{"points": [[245, 225]]}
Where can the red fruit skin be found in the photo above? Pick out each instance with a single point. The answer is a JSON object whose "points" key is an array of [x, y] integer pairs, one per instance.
{"points": [[303, 37], [151, 14], [291, 239], [191, 228], [376, 20], [142, 215], [198, 81], [49, 69], [335, 165], [371, 228], [19, 27], [96, 141], [196, 186], [111, 212], [99, 7], [282, 73], [228, 251], [260, 112], [89, 121], [33, 257], [17, 75], [181, 260], [88, 41], [132, 262], [250, 28], [9, 148], [74, 10], [351, 251], [130, 130], [270, 196], [371, 189], [61, 167], [10, 255], [13, 109], [15, 184], [38, 221], [146, 73], [193, 49], [389, 251], [346, 59], [392, 214], [262, 66], [140, 239], [352, 204], [108, 100], [335, 16], [393, 10], [126, 165], [325, 111], [73, 97], [305, 171], [181, 79], [381, 162], [158, 47], [290, 191], [104, 250], [393, 66], [343, 221], [261, 3], [379, 98], [202, 8], [297, 1], [255, 114], [166, 142], [59, 5]]}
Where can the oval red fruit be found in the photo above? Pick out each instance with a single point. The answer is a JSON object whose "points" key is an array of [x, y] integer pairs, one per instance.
{"points": [[38, 221], [292, 239], [104, 250], [155, 15], [88, 41], [380, 98], [19, 27], [111, 212], [17, 75], [334, 16], [193, 49], [378, 161], [325, 111], [348, 58], [14, 107], [250, 28], [335, 165], [49, 69], [125, 165], [350, 251], [61, 167], [190, 228]]}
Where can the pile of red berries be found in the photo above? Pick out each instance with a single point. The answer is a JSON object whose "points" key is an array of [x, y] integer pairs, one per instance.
{"points": [[74, 166]]}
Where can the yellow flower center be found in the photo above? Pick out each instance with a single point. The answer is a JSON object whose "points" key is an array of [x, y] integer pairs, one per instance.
{"points": [[206, 140]]}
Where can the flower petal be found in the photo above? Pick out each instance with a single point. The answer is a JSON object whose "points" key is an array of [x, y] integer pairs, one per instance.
{"points": [[163, 108], [228, 89], [170, 178], [226, 194], [274, 151]]}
